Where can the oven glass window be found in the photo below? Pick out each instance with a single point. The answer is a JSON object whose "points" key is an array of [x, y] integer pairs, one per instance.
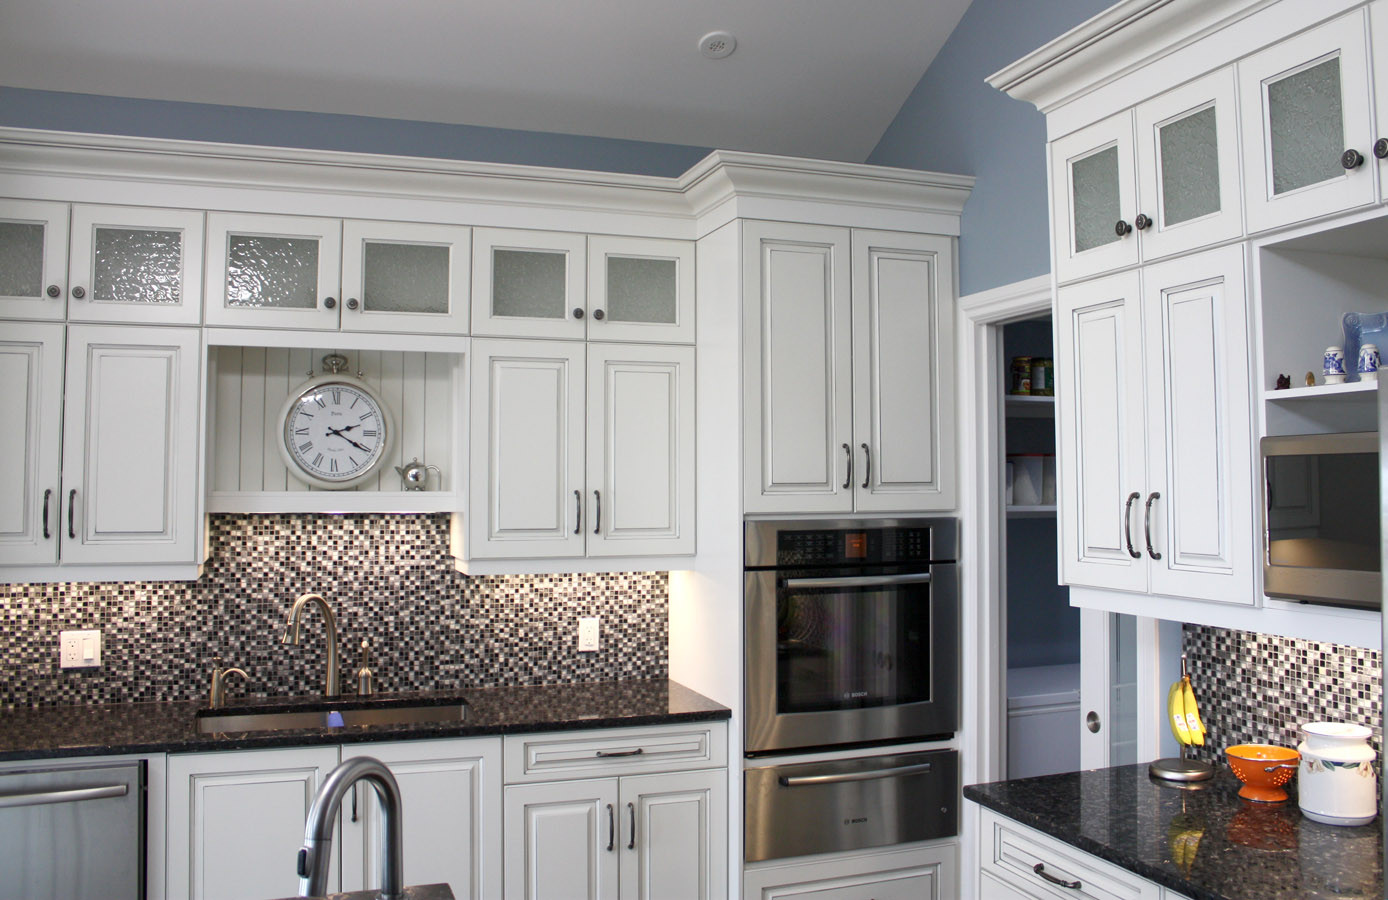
{"points": [[1323, 511], [850, 648]]}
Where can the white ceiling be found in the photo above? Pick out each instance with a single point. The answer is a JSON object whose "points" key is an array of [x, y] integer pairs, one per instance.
{"points": [[818, 78]]}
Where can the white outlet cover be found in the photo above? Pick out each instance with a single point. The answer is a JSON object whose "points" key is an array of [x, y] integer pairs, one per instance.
{"points": [[79, 649], [587, 634]]}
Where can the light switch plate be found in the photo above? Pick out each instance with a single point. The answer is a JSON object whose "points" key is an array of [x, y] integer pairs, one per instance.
{"points": [[587, 634], [79, 649]]}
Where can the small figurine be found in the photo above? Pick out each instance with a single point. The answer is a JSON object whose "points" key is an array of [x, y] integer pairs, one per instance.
{"points": [[1310, 379], [1283, 382]]}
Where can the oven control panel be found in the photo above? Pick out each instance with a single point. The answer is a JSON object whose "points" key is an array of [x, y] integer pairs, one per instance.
{"points": [[848, 546]]}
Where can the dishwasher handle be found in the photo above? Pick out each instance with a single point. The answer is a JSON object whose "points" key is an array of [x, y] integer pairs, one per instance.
{"points": [[870, 775], [74, 795]]}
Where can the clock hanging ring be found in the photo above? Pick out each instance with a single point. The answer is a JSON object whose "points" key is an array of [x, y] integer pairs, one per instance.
{"points": [[335, 431]]}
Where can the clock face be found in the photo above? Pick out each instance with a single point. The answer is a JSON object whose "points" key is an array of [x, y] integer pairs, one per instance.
{"points": [[335, 433]]}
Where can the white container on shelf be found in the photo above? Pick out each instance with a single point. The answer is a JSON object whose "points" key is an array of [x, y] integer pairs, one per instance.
{"points": [[1337, 784], [1027, 484]]}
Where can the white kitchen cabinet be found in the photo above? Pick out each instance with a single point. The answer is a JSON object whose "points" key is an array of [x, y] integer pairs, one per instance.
{"points": [[1014, 862], [529, 283], [405, 276], [135, 265], [568, 463], [1378, 26], [640, 289], [31, 368], [33, 259], [236, 821], [921, 872], [1093, 175], [676, 835], [561, 841], [1305, 106], [848, 341], [266, 271], [451, 794]]}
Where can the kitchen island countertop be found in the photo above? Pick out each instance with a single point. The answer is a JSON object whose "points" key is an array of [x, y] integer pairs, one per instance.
{"points": [[1245, 850], [135, 728]]}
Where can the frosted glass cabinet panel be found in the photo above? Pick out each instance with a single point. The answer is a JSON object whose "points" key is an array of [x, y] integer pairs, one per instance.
{"points": [[33, 259], [528, 283], [1307, 133], [640, 289], [273, 271], [1095, 214], [399, 276], [135, 264]]}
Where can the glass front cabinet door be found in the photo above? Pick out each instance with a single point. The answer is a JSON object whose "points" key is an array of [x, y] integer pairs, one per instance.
{"points": [[1306, 125], [640, 289], [399, 276], [1095, 213], [528, 283], [135, 264], [33, 259], [273, 271]]}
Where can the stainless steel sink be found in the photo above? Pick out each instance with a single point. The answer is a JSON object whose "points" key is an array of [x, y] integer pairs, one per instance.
{"points": [[330, 718]]}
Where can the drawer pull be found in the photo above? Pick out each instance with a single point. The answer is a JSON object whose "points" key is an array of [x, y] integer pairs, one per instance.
{"points": [[608, 754], [1040, 869]]}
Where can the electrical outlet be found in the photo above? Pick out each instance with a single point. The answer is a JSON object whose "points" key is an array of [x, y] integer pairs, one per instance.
{"points": [[79, 649], [587, 634]]}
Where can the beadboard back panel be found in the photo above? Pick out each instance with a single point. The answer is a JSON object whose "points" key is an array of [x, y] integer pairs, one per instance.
{"points": [[389, 579], [251, 384]]}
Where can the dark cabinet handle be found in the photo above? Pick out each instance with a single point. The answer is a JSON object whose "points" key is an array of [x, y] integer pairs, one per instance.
{"points": [[79, 292], [611, 829], [1351, 159], [867, 475], [1122, 229], [330, 303], [609, 754], [1128, 524], [354, 803], [1142, 223], [71, 499], [848, 476], [1147, 523], [578, 312], [578, 511], [352, 303], [1380, 150], [47, 495], [1040, 869], [597, 519], [599, 315], [631, 808], [54, 291]]}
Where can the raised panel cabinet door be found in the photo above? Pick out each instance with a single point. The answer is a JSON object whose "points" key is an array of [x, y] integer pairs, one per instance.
{"points": [[403, 276], [31, 406], [1100, 432], [451, 793], [1094, 201], [561, 840], [1199, 501], [1188, 166], [640, 450], [236, 821], [675, 830], [797, 368], [130, 466], [640, 289], [903, 370], [33, 259], [529, 283], [267, 271], [136, 265], [526, 498], [1304, 104], [1378, 25]]}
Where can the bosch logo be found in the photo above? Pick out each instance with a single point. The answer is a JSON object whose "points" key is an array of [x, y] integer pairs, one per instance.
{"points": [[857, 821]]}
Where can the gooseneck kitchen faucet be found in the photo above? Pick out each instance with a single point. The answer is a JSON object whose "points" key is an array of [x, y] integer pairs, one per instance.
{"points": [[317, 851], [291, 636]]}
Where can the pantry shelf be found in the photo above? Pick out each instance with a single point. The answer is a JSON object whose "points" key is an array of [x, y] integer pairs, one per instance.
{"points": [[1031, 512], [1023, 406]]}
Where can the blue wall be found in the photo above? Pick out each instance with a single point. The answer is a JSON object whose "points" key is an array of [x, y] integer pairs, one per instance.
{"points": [[321, 131], [954, 122]]}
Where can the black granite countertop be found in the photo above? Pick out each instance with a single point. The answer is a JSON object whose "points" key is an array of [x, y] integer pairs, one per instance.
{"points": [[1245, 850], [54, 731]]}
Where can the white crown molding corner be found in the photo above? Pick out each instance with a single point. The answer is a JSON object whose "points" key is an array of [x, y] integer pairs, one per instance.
{"points": [[1008, 300]]}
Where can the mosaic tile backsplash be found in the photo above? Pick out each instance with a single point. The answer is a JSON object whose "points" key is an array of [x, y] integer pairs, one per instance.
{"points": [[388, 578], [1258, 688]]}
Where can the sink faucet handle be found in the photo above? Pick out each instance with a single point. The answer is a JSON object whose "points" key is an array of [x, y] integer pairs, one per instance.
{"points": [[366, 679]]}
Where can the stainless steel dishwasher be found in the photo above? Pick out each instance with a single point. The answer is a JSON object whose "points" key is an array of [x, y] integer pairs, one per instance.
{"points": [[73, 833]]}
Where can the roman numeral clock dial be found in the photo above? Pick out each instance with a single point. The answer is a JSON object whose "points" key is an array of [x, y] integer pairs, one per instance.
{"points": [[336, 430]]}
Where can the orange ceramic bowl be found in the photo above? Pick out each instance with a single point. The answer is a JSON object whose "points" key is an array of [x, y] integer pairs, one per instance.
{"points": [[1252, 762]]}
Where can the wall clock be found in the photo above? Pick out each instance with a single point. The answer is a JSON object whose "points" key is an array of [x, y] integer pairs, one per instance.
{"points": [[336, 431]]}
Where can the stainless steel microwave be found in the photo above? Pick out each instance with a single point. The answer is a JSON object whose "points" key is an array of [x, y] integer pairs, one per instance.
{"points": [[1321, 525]]}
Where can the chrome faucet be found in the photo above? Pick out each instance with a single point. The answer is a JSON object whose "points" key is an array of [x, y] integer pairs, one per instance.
{"points": [[291, 636], [317, 852]]}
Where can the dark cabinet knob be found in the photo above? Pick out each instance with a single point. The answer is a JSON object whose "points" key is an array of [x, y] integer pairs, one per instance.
{"points": [[1122, 229], [1142, 223], [54, 291], [1351, 159], [352, 303], [578, 312], [1381, 148], [329, 303], [599, 315], [79, 292]]}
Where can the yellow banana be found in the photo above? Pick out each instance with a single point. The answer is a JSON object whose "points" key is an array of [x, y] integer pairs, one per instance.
{"points": [[1176, 714], [1192, 710]]}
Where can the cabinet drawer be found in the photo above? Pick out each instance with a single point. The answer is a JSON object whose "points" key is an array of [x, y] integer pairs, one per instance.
{"points": [[1011, 852], [616, 751]]}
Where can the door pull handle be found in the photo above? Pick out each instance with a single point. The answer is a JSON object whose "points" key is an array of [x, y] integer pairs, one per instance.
{"points": [[578, 511], [1128, 524], [597, 519], [1147, 523], [631, 808], [71, 500], [1040, 869], [47, 495], [867, 475], [848, 476], [611, 829]]}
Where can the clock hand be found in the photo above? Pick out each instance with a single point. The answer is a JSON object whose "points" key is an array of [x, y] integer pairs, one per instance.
{"points": [[337, 432]]}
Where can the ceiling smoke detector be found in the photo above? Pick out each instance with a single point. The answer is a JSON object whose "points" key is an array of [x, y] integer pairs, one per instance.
{"points": [[717, 44]]}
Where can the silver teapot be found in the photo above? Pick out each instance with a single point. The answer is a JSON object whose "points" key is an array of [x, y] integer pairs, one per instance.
{"points": [[415, 474]]}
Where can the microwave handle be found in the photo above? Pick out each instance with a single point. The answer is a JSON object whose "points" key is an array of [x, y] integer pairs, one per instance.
{"points": [[858, 581], [870, 775]]}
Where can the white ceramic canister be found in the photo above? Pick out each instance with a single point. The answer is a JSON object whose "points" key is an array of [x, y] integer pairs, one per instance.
{"points": [[1337, 784]]}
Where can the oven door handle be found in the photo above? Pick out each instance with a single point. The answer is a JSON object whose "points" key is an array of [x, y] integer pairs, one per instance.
{"points": [[858, 580], [799, 780]]}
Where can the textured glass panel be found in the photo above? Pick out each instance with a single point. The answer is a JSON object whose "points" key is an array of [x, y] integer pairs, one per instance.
{"points": [[21, 259], [528, 283], [137, 266], [1306, 127], [275, 272], [410, 278], [641, 290], [1095, 183], [1189, 167]]}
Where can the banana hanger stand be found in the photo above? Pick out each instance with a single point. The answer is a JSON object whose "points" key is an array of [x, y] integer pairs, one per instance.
{"points": [[1184, 719]]}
